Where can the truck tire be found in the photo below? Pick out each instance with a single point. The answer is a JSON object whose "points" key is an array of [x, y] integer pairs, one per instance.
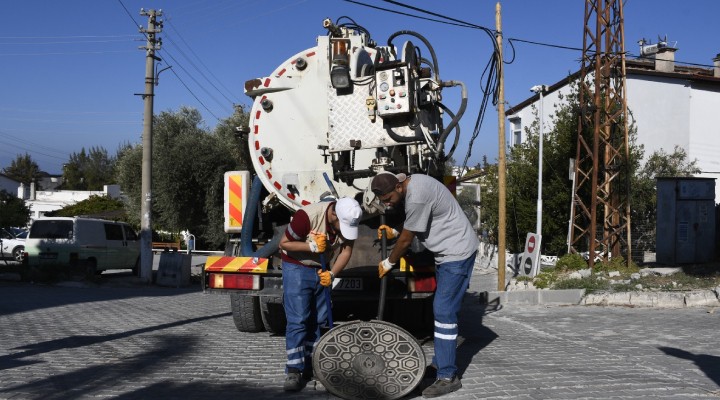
{"points": [[246, 312], [273, 315]]}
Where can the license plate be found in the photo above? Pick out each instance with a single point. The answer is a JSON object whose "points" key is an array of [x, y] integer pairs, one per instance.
{"points": [[48, 256], [348, 284]]}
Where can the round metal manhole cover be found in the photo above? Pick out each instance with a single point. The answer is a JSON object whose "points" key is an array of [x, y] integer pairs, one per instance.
{"points": [[364, 360]]}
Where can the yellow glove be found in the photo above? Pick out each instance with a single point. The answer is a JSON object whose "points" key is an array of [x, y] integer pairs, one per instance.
{"points": [[384, 267], [326, 277], [318, 243], [390, 233]]}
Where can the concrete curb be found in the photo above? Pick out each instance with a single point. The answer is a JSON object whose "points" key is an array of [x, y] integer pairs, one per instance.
{"points": [[536, 297], [696, 298]]}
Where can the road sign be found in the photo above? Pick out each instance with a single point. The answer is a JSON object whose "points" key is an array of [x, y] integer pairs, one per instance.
{"points": [[530, 261]]}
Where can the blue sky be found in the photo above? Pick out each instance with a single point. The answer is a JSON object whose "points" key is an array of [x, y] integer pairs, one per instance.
{"points": [[69, 69]]}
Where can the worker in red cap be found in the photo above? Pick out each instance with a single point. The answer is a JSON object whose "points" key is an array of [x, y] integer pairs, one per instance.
{"points": [[324, 228], [434, 217]]}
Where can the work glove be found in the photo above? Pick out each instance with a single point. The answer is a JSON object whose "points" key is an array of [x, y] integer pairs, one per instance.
{"points": [[390, 232], [318, 243], [384, 267], [326, 277]]}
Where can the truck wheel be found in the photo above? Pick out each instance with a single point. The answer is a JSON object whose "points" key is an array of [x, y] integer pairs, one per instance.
{"points": [[246, 312], [273, 315]]}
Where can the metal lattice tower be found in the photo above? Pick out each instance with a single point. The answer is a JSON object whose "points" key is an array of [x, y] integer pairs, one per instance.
{"points": [[601, 210]]}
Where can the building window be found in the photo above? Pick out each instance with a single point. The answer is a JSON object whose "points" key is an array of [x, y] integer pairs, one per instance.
{"points": [[515, 131]]}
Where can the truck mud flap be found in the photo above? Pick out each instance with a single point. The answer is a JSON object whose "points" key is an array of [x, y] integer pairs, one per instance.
{"points": [[362, 360]]}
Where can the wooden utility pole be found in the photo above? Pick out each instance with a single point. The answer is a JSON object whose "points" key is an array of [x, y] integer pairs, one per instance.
{"points": [[501, 152], [153, 44]]}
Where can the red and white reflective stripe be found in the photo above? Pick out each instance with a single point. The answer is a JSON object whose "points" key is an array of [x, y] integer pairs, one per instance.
{"points": [[236, 264], [234, 281]]}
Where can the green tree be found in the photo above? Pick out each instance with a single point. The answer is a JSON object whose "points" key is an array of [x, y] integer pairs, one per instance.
{"points": [[96, 207], [559, 146], [189, 163], [23, 169], [13, 211], [89, 170], [469, 203]]}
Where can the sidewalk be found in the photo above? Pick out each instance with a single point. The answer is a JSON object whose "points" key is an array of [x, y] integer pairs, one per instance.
{"points": [[485, 279]]}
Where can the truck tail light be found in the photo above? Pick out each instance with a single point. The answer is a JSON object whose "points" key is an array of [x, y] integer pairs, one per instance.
{"points": [[234, 281], [422, 284]]}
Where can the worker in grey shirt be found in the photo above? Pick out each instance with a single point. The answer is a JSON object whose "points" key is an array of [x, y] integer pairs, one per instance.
{"points": [[433, 215]]}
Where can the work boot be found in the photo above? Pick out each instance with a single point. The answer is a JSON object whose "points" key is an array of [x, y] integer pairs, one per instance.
{"points": [[442, 386], [293, 382]]}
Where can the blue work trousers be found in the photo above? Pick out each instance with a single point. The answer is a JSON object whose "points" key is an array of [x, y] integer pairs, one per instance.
{"points": [[306, 311], [453, 279]]}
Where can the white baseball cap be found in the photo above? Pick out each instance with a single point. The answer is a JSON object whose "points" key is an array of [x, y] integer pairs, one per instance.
{"points": [[349, 213]]}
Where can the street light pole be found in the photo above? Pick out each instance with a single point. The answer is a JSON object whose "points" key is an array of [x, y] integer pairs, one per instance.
{"points": [[540, 89]]}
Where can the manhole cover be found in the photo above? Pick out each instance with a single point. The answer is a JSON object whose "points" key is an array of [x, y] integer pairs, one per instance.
{"points": [[368, 360]]}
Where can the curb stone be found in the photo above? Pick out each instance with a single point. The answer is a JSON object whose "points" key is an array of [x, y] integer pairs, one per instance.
{"points": [[697, 298], [703, 298], [536, 297]]}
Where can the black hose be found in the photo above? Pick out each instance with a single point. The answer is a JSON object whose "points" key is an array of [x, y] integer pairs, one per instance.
{"points": [[436, 68], [246, 232], [457, 132], [456, 118], [383, 280]]}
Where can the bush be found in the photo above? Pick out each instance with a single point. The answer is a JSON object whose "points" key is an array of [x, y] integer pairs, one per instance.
{"points": [[616, 264], [571, 262], [589, 284]]}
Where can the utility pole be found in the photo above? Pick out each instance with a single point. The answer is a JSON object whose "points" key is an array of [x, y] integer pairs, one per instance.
{"points": [[153, 44], [501, 153]]}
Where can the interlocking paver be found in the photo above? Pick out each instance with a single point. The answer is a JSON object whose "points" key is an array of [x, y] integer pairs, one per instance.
{"points": [[166, 343]]}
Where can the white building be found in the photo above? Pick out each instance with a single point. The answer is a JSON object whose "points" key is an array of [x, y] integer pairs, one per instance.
{"points": [[8, 184], [44, 201], [671, 105]]}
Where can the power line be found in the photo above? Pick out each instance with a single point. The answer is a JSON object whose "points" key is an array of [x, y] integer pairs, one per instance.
{"points": [[406, 14], [66, 37], [193, 94], [64, 112], [172, 70], [63, 53], [201, 63], [557, 46], [182, 53], [74, 42], [139, 26], [165, 51]]}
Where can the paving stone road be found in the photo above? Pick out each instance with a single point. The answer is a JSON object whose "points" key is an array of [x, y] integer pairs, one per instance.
{"points": [[150, 342]]}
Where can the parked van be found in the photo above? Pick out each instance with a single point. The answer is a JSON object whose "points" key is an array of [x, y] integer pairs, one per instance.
{"points": [[94, 244]]}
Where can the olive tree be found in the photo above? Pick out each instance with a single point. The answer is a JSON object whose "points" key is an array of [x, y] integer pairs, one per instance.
{"points": [[189, 161]]}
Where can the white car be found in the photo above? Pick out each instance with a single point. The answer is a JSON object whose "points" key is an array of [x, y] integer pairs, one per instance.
{"points": [[12, 246]]}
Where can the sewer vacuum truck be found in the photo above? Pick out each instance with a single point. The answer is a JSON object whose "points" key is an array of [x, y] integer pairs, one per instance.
{"points": [[322, 124]]}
